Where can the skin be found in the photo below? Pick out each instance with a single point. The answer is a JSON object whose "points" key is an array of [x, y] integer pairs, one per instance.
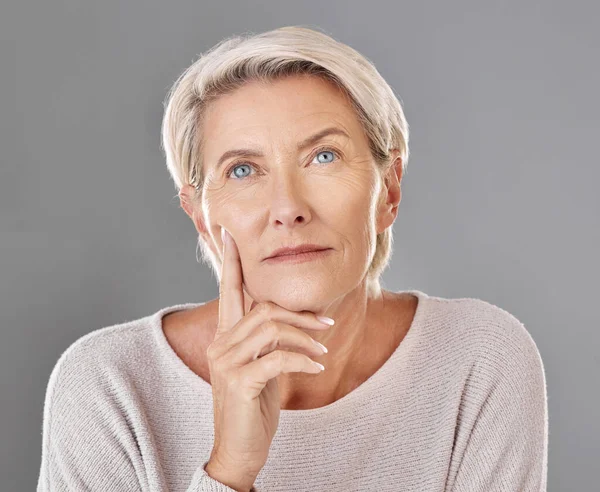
{"points": [[291, 197]]}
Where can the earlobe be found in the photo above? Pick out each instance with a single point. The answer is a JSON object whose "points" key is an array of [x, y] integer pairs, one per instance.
{"points": [[185, 198], [205, 236], [199, 223]]}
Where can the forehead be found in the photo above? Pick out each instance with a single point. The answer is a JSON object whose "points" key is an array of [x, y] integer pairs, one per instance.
{"points": [[277, 112]]}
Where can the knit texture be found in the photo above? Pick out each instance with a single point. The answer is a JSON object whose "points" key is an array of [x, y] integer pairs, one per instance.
{"points": [[461, 405]]}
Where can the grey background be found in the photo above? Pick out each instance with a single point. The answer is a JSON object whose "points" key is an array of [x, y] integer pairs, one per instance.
{"points": [[500, 201]]}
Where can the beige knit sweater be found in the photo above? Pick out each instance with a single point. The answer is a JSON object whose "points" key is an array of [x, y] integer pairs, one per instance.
{"points": [[461, 405]]}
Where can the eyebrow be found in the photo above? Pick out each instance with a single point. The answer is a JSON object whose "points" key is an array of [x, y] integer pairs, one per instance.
{"points": [[302, 145]]}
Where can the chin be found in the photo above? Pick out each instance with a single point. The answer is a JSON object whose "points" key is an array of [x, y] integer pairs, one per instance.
{"points": [[299, 294]]}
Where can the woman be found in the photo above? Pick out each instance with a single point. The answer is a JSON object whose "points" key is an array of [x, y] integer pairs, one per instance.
{"points": [[419, 393]]}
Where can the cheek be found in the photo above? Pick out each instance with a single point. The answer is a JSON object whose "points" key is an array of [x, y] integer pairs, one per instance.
{"points": [[240, 221], [352, 219], [356, 207], [223, 208], [361, 212]]}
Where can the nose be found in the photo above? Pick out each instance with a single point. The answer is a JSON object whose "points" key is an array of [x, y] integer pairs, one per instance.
{"points": [[289, 202]]}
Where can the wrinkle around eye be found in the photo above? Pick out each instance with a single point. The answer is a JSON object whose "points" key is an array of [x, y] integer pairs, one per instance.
{"points": [[338, 156]]}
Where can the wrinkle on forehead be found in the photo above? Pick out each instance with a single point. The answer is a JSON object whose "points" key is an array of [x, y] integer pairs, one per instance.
{"points": [[288, 112]]}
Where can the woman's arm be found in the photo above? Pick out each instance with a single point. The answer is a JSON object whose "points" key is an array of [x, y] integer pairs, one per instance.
{"points": [[88, 440], [504, 442], [86, 444]]}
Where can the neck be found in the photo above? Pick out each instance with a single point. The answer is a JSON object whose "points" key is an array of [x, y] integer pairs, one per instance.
{"points": [[356, 344]]}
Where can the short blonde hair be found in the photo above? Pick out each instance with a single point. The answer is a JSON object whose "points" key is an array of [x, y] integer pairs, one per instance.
{"points": [[290, 50]]}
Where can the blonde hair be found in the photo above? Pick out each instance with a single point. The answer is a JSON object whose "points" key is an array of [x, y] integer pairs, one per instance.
{"points": [[290, 50]]}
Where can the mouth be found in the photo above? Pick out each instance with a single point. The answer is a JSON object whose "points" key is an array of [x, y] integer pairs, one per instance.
{"points": [[299, 257], [301, 248]]}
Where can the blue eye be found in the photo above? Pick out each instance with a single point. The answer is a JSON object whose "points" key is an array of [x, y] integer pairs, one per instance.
{"points": [[241, 164], [325, 152], [238, 166]]}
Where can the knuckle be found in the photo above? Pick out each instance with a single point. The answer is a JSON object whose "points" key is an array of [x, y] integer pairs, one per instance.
{"points": [[265, 309], [282, 357], [270, 328]]}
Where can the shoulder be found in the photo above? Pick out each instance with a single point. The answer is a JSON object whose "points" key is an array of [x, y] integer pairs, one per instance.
{"points": [[113, 357], [96, 364], [482, 331], [102, 350]]}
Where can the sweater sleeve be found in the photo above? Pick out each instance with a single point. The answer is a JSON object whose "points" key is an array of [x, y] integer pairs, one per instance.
{"points": [[203, 482], [87, 438], [85, 441], [506, 448]]}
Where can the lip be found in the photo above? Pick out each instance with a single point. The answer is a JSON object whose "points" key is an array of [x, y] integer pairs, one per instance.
{"points": [[299, 257], [304, 248]]}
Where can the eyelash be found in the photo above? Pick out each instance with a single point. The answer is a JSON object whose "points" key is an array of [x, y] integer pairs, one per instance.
{"points": [[318, 151]]}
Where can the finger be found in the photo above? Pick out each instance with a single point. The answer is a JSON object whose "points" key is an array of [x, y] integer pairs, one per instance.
{"points": [[272, 314], [231, 295], [261, 370], [276, 335]]}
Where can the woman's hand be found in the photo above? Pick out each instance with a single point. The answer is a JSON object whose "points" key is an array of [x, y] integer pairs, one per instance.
{"points": [[244, 360]]}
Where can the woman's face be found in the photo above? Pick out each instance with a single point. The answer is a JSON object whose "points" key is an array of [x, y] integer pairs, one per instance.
{"points": [[323, 192]]}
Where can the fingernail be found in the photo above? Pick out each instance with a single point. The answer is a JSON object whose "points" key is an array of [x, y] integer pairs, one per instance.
{"points": [[224, 235], [326, 320], [320, 345]]}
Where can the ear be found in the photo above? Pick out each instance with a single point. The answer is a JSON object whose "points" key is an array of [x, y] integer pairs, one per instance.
{"points": [[193, 210], [391, 194]]}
